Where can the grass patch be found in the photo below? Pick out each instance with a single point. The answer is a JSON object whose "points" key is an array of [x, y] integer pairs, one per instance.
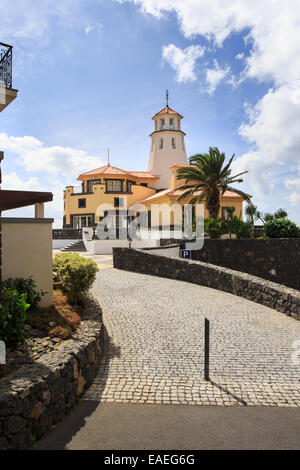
{"points": [[59, 320]]}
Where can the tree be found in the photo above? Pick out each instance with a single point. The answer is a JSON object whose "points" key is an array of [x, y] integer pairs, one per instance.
{"points": [[207, 178], [252, 215], [280, 214]]}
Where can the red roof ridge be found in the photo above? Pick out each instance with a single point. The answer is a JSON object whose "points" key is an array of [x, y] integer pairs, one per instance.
{"points": [[167, 110]]}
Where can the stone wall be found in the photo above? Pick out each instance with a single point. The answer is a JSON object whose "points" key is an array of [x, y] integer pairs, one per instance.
{"points": [[276, 296], [276, 259], [39, 395]]}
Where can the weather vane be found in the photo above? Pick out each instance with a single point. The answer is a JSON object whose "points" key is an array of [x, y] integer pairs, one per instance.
{"points": [[167, 97]]}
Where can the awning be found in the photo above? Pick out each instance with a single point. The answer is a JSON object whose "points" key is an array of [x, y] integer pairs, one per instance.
{"points": [[15, 199]]}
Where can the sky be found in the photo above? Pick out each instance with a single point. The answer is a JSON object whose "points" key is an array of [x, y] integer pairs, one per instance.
{"points": [[92, 73]]}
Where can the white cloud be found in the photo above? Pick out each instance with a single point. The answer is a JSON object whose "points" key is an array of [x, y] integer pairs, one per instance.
{"points": [[272, 30], [183, 61], [58, 161], [273, 133], [293, 185], [97, 27], [29, 20], [13, 181], [53, 209], [214, 76]]}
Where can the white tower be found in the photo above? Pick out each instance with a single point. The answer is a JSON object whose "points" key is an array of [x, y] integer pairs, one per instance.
{"points": [[167, 145]]}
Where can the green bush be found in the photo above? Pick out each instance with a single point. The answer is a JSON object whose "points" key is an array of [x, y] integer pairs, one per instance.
{"points": [[25, 286], [13, 308], [281, 228], [213, 227], [74, 275], [238, 227]]}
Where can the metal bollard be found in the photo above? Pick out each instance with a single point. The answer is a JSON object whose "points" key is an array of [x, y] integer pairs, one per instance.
{"points": [[206, 349]]}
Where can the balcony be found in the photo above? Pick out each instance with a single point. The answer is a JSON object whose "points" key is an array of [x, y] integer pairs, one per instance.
{"points": [[7, 92]]}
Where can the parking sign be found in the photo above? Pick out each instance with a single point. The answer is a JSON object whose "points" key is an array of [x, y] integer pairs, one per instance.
{"points": [[186, 254]]}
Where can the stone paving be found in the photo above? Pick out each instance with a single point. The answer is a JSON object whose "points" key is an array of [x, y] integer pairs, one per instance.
{"points": [[154, 342]]}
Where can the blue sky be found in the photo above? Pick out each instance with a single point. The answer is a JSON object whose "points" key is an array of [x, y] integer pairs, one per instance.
{"points": [[92, 73]]}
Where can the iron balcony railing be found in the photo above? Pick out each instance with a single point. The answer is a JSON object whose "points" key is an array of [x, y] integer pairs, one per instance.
{"points": [[5, 65], [62, 233]]}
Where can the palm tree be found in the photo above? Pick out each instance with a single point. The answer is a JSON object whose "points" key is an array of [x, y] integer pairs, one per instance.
{"points": [[280, 214], [252, 215], [207, 178]]}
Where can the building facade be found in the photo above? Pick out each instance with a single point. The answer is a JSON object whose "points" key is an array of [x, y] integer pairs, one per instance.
{"points": [[85, 205]]}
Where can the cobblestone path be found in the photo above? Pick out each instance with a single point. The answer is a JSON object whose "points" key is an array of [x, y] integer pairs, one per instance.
{"points": [[154, 345]]}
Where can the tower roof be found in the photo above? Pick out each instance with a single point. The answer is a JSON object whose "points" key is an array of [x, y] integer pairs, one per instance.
{"points": [[167, 110]]}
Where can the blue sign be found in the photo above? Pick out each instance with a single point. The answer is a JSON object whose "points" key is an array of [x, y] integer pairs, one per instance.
{"points": [[186, 254]]}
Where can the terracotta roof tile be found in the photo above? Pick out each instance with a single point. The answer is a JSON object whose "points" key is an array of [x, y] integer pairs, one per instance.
{"points": [[167, 110], [142, 174], [113, 170], [177, 192]]}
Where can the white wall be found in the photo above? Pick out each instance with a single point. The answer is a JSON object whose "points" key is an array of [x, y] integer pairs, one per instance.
{"points": [[104, 247]]}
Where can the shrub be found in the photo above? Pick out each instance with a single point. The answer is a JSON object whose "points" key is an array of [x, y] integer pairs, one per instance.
{"points": [[63, 332], [213, 227], [281, 228], [74, 275], [240, 228], [13, 307], [61, 313], [25, 286]]}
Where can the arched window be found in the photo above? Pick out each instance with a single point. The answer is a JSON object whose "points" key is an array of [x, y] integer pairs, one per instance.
{"points": [[161, 143], [173, 143]]}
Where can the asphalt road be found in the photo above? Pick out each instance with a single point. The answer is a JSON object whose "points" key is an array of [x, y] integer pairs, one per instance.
{"points": [[94, 426]]}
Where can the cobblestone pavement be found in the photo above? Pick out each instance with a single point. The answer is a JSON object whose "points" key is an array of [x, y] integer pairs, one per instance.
{"points": [[154, 345]]}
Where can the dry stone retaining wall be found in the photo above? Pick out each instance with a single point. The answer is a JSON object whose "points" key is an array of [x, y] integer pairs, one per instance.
{"points": [[39, 395], [276, 296]]}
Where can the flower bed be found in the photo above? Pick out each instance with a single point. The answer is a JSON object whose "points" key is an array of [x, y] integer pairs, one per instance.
{"points": [[43, 390]]}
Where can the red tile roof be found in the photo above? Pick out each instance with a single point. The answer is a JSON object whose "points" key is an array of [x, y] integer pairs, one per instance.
{"points": [[177, 192], [167, 110], [142, 174], [113, 170]]}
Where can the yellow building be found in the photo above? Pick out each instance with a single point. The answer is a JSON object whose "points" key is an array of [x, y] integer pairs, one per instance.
{"points": [[121, 189]]}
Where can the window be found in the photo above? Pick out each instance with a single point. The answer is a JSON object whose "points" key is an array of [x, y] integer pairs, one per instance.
{"points": [[144, 184], [226, 211], [156, 125], [81, 203], [114, 186], [83, 221], [90, 184], [129, 185], [162, 124], [171, 123], [161, 143], [118, 202], [173, 143]]}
